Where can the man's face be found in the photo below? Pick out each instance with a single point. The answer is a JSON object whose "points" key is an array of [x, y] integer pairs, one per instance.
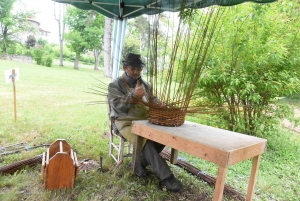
{"points": [[133, 72]]}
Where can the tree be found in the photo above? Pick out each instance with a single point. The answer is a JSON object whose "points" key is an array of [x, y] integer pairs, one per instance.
{"points": [[140, 34], [61, 28], [132, 42], [30, 42], [42, 42], [12, 23], [86, 32], [255, 61], [95, 33], [142, 28]]}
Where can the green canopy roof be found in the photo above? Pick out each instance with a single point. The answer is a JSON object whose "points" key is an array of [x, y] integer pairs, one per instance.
{"points": [[133, 8]]}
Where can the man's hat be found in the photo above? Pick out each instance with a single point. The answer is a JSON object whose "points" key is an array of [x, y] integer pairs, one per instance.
{"points": [[133, 60]]}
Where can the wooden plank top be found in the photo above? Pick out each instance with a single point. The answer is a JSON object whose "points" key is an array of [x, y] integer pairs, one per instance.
{"points": [[216, 145]]}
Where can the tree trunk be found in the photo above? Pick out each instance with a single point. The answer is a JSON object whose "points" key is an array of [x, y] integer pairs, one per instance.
{"points": [[61, 41], [76, 62], [107, 47], [61, 30], [4, 34], [96, 56]]}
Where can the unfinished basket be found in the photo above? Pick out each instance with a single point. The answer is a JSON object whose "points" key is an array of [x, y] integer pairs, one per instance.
{"points": [[166, 116]]}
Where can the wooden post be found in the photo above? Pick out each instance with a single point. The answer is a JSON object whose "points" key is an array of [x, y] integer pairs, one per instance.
{"points": [[15, 99]]}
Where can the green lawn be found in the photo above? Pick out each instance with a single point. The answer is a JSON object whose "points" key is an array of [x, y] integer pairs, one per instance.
{"points": [[52, 103]]}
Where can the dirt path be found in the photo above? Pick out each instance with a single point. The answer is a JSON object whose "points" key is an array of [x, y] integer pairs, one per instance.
{"points": [[286, 123]]}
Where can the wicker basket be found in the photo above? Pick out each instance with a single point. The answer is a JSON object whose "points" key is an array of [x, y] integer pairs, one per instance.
{"points": [[166, 116]]}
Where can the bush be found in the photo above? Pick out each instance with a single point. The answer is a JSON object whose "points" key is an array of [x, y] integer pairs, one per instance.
{"points": [[82, 58], [42, 42], [20, 49], [66, 52], [87, 59], [49, 49], [56, 52], [55, 49], [38, 56], [30, 42], [48, 61], [11, 49], [90, 60], [28, 52], [72, 56]]}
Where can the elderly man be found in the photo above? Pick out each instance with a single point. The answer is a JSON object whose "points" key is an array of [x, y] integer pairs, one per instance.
{"points": [[123, 94]]}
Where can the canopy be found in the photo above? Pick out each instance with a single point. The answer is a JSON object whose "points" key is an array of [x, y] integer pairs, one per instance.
{"points": [[132, 8], [121, 10]]}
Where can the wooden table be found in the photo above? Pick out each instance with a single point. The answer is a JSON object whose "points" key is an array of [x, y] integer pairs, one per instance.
{"points": [[219, 146]]}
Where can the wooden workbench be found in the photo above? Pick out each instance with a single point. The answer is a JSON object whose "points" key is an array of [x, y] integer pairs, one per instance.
{"points": [[219, 146]]}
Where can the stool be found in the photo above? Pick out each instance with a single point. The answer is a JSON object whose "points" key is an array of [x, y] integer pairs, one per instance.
{"points": [[117, 143]]}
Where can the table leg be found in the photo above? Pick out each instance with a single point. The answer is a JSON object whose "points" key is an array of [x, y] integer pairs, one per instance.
{"points": [[253, 177], [136, 155], [220, 183], [174, 156]]}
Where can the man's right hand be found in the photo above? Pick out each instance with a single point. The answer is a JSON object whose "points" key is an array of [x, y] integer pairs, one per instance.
{"points": [[139, 90]]}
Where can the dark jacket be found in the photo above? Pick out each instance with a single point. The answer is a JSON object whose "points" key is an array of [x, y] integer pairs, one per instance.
{"points": [[121, 95]]}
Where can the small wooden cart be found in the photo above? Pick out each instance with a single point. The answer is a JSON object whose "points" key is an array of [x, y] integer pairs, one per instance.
{"points": [[59, 166]]}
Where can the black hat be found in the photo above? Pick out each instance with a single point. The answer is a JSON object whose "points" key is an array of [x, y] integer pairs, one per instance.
{"points": [[133, 60]]}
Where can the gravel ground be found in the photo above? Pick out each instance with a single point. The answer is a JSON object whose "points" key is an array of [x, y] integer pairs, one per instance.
{"points": [[286, 123]]}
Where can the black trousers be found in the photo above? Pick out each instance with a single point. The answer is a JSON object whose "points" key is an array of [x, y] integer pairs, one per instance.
{"points": [[150, 156]]}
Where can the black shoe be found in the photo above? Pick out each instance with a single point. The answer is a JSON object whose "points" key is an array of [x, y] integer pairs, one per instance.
{"points": [[171, 183], [142, 171]]}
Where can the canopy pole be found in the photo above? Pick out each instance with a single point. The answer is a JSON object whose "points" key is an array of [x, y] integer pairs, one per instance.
{"points": [[122, 37], [119, 35], [114, 48]]}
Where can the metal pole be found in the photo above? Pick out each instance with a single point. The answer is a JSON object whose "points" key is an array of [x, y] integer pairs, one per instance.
{"points": [[116, 48], [119, 35], [122, 37]]}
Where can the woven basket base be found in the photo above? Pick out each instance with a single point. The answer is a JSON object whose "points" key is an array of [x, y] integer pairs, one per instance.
{"points": [[166, 117]]}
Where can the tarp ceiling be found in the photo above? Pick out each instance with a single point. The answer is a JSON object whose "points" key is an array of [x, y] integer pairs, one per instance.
{"points": [[133, 8]]}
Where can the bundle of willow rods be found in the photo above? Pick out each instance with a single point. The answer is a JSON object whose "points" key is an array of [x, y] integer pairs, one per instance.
{"points": [[176, 61], [228, 190], [12, 168]]}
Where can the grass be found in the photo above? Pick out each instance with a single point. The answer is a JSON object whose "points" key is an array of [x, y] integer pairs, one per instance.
{"points": [[71, 64], [52, 104]]}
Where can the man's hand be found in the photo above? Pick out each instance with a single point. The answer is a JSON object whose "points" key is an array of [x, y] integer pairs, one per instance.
{"points": [[139, 90]]}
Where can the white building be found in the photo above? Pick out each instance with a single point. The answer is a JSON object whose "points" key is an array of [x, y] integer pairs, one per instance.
{"points": [[37, 32]]}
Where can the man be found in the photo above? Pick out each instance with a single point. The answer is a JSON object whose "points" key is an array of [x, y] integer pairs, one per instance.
{"points": [[123, 94]]}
